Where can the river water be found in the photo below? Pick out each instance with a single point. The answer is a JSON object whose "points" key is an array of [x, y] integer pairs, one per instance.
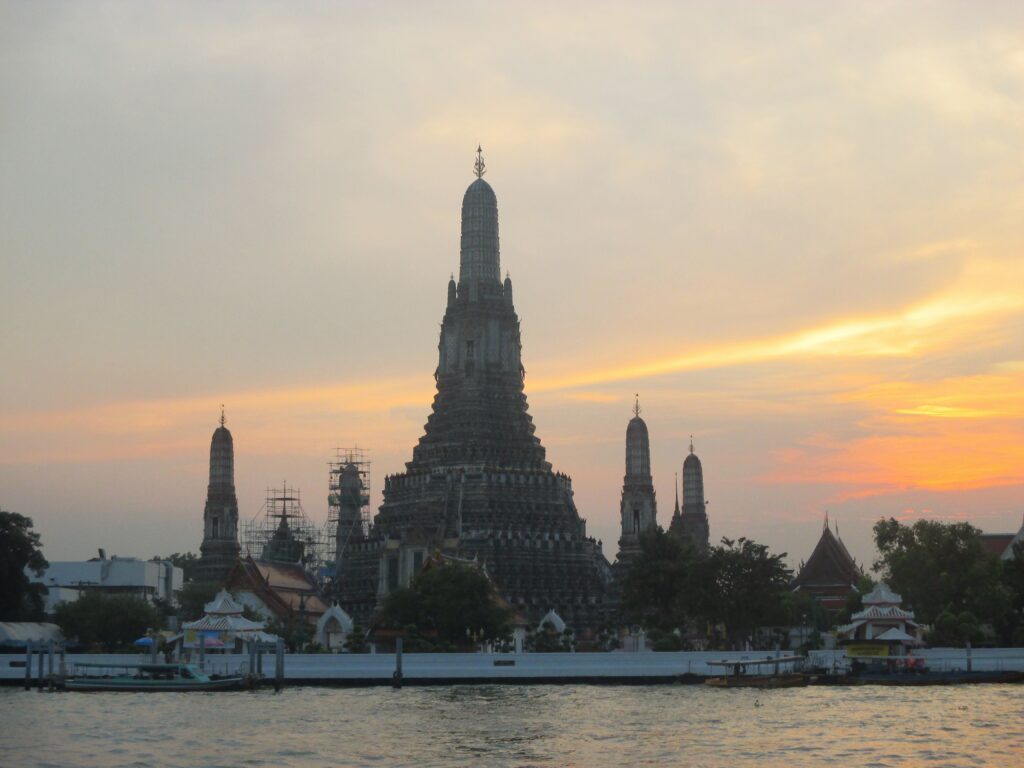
{"points": [[576, 725]]}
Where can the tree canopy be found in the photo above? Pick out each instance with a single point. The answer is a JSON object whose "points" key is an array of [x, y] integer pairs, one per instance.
{"points": [[941, 568], [738, 585], [20, 548], [447, 600], [108, 621]]}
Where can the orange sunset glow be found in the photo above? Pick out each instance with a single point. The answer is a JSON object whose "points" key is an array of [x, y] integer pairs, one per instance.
{"points": [[816, 271]]}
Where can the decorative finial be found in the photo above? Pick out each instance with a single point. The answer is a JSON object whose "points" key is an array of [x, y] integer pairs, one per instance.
{"points": [[826, 519], [636, 406], [222, 414], [691, 444], [677, 492], [478, 167]]}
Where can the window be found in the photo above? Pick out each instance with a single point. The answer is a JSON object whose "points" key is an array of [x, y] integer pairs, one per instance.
{"points": [[215, 527]]}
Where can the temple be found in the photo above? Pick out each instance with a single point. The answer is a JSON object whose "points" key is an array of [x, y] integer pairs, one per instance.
{"points": [[690, 525], [830, 573], [220, 547], [638, 508], [479, 486]]}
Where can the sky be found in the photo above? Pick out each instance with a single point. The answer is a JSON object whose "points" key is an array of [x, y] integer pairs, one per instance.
{"points": [[794, 228]]}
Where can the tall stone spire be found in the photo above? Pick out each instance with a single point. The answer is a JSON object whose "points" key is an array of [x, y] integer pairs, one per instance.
{"points": [[220, 548], [692, 524], [479, 263], [638, 507], [479, 486]]}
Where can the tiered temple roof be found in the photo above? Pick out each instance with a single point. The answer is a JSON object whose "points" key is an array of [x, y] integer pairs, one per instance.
{"points": [[830, 573]]}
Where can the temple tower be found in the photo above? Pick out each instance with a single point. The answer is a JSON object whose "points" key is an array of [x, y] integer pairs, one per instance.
{"points": [[220, 548], [350, 505], [479, 485], [638, 508], [691, 524]]}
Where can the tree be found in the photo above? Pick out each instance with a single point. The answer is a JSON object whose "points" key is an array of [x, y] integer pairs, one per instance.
{"points": [[193, 597], [666, 584], [1011, 629], [941, 567], [20, 548], [446, 601], [750, 588], [356, 640], [187, 561], [294, 629], [109, 621]]}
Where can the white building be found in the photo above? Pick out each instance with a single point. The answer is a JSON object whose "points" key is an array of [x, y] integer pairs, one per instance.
{"points": [[149, 579], [883, 621]]}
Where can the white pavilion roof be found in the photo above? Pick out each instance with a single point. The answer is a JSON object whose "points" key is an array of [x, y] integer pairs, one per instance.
{"points": [[223, 604], [884, 613], [882, 595], [223, 623]]}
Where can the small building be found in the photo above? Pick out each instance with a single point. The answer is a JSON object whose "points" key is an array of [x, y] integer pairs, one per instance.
{"points": [[276, 590], [882, 626], [151, 580], [830, 573], [223, 626], [333, 628]]}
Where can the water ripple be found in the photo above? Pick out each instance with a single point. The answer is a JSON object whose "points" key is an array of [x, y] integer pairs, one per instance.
{"points": [[517, 726]]}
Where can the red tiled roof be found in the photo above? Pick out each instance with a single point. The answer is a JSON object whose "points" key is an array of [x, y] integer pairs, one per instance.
{"points": [[996, 543]]}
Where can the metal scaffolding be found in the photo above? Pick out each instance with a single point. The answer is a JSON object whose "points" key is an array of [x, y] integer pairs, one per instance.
{"points": [[358, 528], [282, 519]]}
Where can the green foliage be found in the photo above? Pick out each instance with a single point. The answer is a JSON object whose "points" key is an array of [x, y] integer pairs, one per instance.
{"points": [[356, 640], [739, 585], [294, 629], [447, 601], [1011, 628], [20, 548], [194, 596], [187, 561], [750, 587], [547, 639], [667, 584], [111, 622], [941, 567], [951, 630]]}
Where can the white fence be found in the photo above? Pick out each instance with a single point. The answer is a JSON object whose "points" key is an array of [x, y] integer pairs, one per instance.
{"points": [[593, 667]]}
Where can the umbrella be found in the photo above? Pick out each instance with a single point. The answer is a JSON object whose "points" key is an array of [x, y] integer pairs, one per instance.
{"points": [[146, 641]]}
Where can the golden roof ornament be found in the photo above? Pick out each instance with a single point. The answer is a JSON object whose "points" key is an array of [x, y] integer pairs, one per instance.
{"points": [[478, 167]]}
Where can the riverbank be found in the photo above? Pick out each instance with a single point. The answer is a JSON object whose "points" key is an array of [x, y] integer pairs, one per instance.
{"points": [[619, 667]]}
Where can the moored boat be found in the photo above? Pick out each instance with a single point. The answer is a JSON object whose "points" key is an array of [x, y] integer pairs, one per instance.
{"points": [[737, 676], [147, 677], [910, 670]]}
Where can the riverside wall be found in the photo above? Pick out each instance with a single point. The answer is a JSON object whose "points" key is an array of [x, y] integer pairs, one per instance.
{"points": [[452, 668]]}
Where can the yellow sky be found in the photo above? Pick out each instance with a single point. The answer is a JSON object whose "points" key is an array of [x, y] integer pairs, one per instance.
{"points": [[794, 229]]}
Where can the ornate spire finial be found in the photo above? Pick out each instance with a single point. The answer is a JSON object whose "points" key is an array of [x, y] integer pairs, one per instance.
{"points": [[478, 167], [691, 444], [222, 414], [826, 519], [636, 406], [677, 491]]}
